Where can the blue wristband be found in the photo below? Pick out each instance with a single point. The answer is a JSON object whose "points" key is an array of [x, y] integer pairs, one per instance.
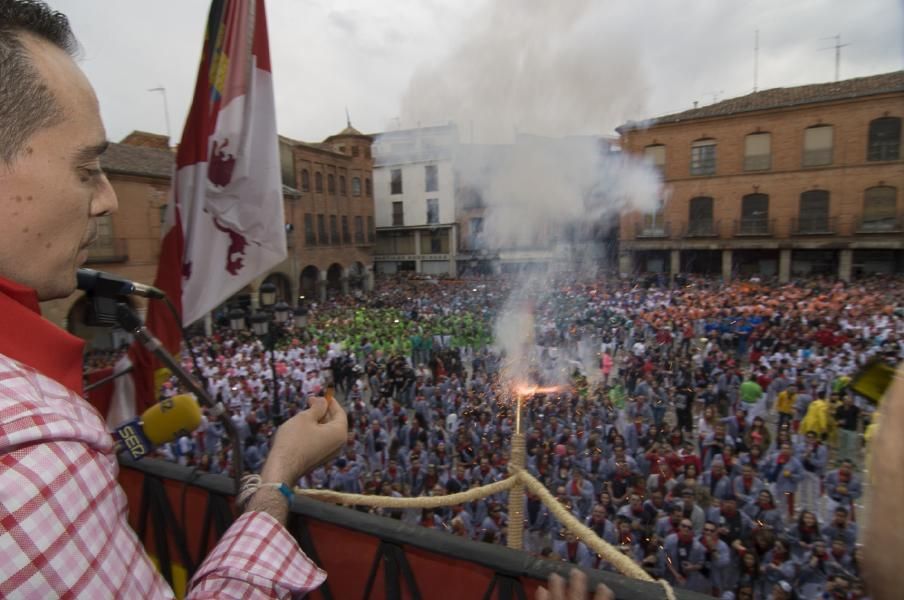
{"points": [[285, 491]]}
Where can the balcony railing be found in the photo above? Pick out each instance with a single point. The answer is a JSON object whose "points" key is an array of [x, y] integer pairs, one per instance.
{"points": [[109, 250], [883, 225], [389, 557], [702, 228], [814, 226], [654, 230], [754, 226]]}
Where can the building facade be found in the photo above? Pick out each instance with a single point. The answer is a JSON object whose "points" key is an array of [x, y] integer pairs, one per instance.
{"points": [[329, 224], [433, 216], [780, 183], [414, 195], [330, 221]]}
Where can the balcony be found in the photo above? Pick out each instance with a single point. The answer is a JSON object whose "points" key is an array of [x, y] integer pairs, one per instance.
{"points": [[754, 226], [881, 225], [814, 226], [108, 250], [651, 230], [702, 229]]}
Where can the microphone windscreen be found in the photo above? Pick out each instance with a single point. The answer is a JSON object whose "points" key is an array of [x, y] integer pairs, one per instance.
{"points": [[171, 418]]}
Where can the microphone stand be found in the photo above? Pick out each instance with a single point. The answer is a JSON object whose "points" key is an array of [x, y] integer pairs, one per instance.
{"points": [[130, 322]]}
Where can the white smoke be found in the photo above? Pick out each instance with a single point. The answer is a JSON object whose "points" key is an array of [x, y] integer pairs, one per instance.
{"points": [[533, 90], [548, 68]]}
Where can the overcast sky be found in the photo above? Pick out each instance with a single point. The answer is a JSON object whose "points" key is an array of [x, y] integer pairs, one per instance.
{"points": [[493, 66]]}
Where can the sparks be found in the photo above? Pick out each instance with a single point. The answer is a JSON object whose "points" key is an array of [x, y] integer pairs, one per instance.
{"points": [[524, 391]]}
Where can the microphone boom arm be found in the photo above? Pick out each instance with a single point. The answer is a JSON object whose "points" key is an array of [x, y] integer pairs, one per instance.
{"points": [[130, 322]]}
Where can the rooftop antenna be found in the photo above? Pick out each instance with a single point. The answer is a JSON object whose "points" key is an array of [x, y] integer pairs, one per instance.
{"points": [[348, 119], [756, 57], [715, 95], [162, 90], [838, 46]]}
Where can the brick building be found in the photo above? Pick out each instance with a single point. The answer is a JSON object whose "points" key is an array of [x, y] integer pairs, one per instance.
{"points": [[331, 220], [783, 182], [334, 180]]}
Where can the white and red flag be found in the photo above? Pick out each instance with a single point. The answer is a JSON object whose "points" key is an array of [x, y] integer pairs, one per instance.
{"points": [[224, 224]]}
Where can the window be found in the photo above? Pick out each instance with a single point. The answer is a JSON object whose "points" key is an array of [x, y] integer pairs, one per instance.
{"points": [[700, 216], [356, 186], [334, 230], [371, 230], [431, 179], [814, 212], [432, 211], [395, 181], [818, 145], [654, 224], [884, 139], [757, 152], [475, 229], [346, 235], [368, 187], [305, 181], [318, 182], [437, 242], [366, 151], [754, 214], [655, 155], [355, 151], [359, 230], [703, 157], [880, 208], [398, 214], [309, 238], [321, 230], [342, 189], [331, 184]]}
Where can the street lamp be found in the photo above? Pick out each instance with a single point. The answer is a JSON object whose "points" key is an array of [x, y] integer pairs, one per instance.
{"points": [[268, 295], [282, 311], [301, 316], [268, 332], [236, 319], [260, 325]]}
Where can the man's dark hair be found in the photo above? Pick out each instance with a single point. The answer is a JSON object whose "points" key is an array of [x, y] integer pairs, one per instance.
{"points": [[26, 104]]}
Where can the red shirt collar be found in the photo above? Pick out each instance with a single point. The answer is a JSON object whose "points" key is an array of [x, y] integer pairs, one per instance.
{"points": [[27, 337]]}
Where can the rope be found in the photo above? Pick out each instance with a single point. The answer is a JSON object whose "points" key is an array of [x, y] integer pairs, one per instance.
{"points": [[516, 495], [419, 502], [622, 563]]}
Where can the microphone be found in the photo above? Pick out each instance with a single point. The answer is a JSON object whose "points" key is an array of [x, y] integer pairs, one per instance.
{"points": [[164, 422], [108, 285]]}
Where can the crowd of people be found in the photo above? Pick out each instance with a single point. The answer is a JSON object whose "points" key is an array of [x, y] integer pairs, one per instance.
{"points": [[707, 430]]}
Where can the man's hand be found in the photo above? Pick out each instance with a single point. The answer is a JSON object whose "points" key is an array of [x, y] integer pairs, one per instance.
{"points": [[575, 590], [300, 445]]}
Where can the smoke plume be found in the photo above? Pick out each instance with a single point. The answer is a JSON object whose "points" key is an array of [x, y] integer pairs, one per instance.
{"points": [[532, 92]]}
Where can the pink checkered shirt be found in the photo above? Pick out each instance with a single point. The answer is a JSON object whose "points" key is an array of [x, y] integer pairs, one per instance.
{"points": [[63, 527]]}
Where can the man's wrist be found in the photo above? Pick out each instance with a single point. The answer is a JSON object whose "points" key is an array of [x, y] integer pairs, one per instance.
{"points": [[271, 500]]}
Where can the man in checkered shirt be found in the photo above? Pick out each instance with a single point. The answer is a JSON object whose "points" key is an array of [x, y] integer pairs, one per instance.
{"points": [[63, 528]]}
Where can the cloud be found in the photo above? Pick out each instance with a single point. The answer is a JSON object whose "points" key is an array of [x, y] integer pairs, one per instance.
{"points": [[343, 21], [651, 57]]}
